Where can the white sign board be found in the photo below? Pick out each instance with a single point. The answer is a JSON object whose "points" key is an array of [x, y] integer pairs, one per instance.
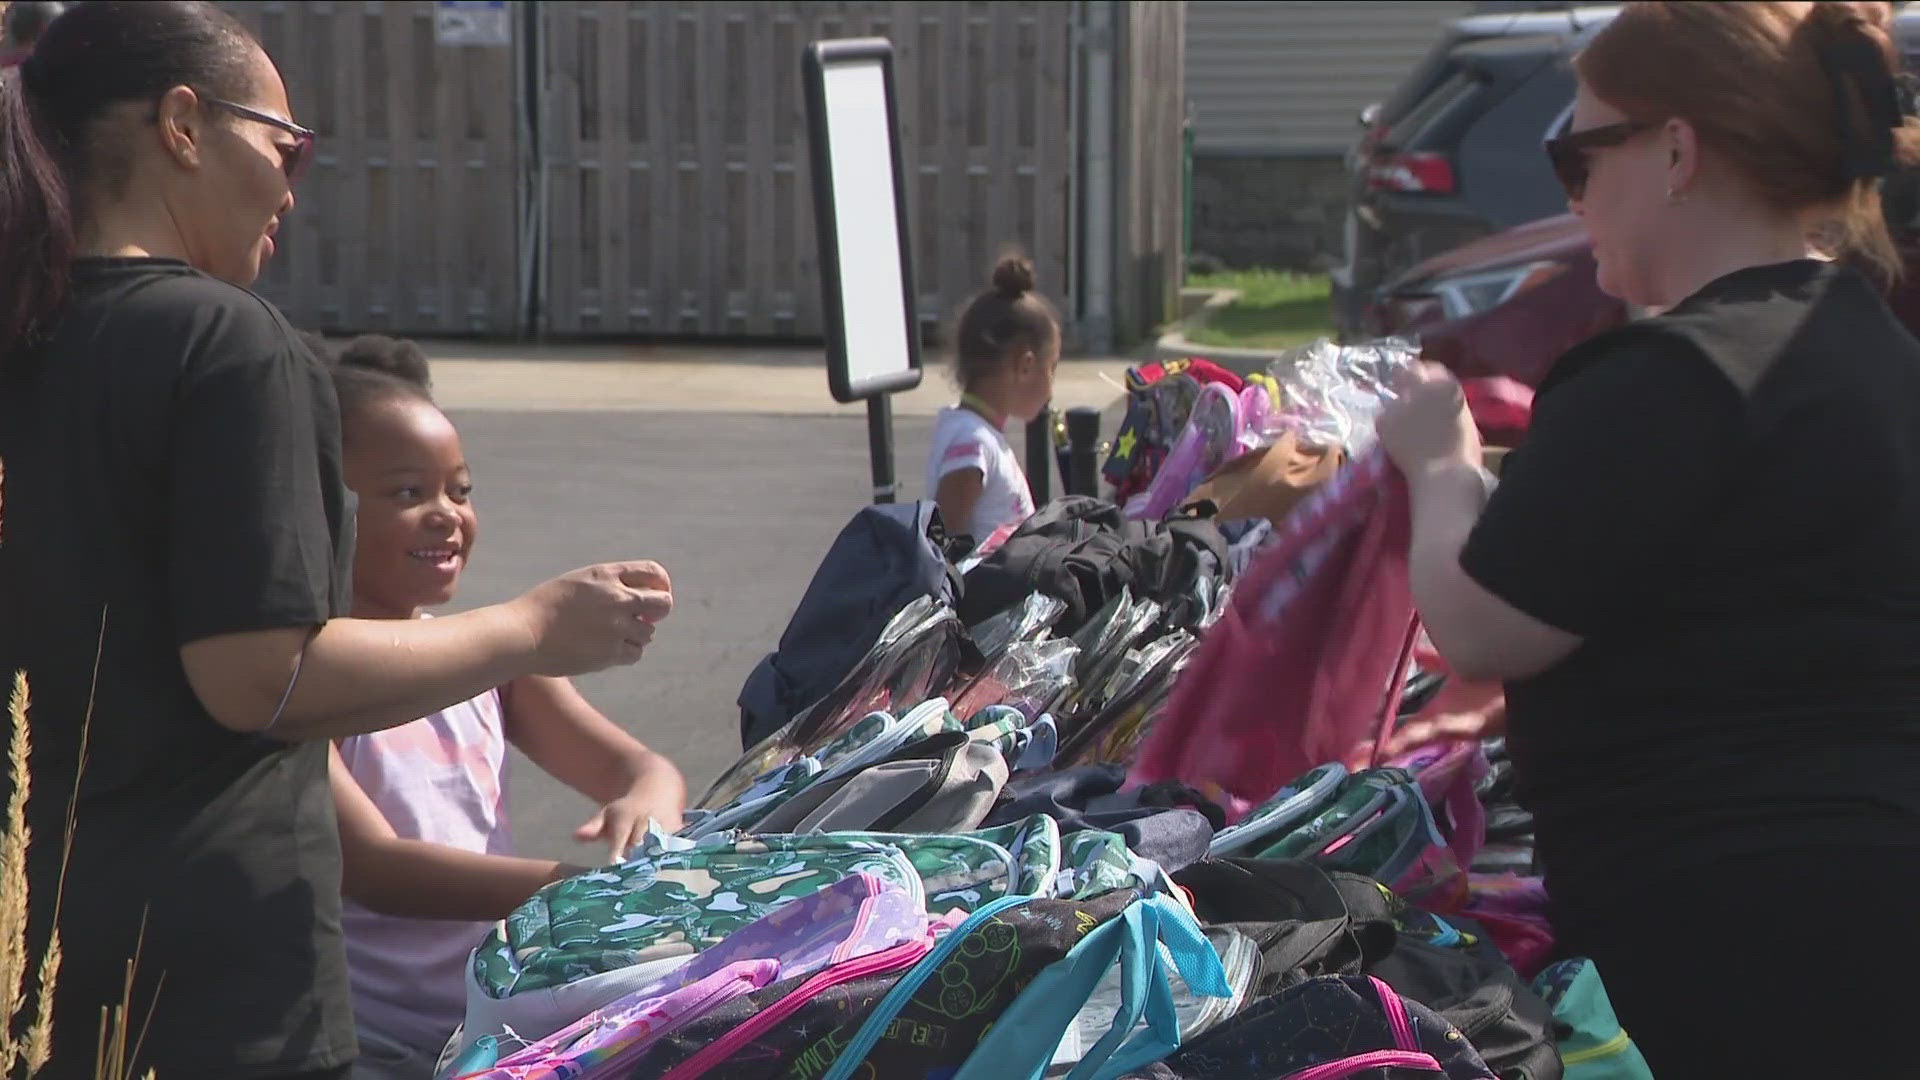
{"points": [[873, 344], [472, 22]]}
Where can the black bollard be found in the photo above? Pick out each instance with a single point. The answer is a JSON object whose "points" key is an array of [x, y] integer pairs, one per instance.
{"points": [[1083, 451], [1040, 457]]}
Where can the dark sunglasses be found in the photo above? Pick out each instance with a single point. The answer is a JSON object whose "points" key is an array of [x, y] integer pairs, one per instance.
{"points": [[1569, 152], [299, 157]]}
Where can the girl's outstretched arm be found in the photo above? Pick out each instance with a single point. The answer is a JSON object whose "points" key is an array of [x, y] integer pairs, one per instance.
{"points": [[418, 879], [569, 738]]}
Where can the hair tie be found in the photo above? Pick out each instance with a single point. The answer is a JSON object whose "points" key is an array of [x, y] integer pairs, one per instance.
{"points": [[1855, 65]]}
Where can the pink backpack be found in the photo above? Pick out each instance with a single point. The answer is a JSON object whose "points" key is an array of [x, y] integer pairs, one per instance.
{"points": [[604, 1042], [1309, 657], [1211, 439]]}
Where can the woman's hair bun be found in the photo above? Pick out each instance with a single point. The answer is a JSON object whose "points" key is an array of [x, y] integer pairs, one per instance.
{"points": [[396, 357], [1013, 278]]}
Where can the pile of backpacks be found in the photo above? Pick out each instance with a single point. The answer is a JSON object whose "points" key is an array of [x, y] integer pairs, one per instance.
{"points": [[1107, 801]]}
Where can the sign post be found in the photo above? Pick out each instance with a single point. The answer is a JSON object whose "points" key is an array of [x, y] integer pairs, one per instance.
{"points": [[860, 212]]}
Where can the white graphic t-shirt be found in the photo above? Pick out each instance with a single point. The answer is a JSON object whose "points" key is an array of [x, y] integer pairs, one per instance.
{"points": [[963, 439]]}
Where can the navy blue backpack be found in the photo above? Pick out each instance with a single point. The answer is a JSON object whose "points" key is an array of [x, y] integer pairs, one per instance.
{"points": [[886, 558]]}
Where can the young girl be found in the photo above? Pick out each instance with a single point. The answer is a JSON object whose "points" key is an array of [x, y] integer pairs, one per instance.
{"points": [[422, 807], [1005, 353]]}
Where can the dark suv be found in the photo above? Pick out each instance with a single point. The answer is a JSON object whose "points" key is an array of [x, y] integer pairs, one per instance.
{"points": [[1511, 303], [1454, 154]]}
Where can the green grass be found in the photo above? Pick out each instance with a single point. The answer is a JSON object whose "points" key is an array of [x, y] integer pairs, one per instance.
{"points": [[1276, 309]]}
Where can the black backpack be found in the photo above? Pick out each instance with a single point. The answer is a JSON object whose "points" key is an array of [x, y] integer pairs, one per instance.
{"points": [[1462, 976], [1083, 551], [1311, 923], [886, 558]]}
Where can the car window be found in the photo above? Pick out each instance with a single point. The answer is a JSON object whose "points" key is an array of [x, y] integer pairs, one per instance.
{"points": [[1455, 90], [1420, 82]]}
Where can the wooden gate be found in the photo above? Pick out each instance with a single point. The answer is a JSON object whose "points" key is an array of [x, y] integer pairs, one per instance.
{"points": [[406, 222], [676, 154]]}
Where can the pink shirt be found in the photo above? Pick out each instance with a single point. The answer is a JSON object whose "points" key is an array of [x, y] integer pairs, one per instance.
{"points": [[441, 778]]}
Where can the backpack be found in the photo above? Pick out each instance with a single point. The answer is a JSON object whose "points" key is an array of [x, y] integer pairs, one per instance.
{"points": [[607, 1041], [923, 1020], [1160, 399], [1327, 1028], [1084, 552], [1062, 1015], [1213, 437], [1311, 923], [945, 783], [1593, 1046], [964, 987], [1452, 965], [858, 914], [885, 558], [1293, 912], [1292, 675]]}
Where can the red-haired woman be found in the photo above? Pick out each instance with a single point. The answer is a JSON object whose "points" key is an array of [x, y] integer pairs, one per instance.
{"points": [[1700, 579]]}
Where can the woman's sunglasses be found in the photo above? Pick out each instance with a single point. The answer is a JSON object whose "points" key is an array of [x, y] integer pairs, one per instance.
{"points": [[299, 157], [1569, 152]]}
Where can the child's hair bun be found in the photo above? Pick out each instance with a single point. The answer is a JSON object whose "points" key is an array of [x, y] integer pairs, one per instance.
{"points": [[1013, 278], [397, 357]]}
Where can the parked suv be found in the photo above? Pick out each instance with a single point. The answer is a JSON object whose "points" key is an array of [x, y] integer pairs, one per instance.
{"points": [[1454, 154], [1511, 303]]}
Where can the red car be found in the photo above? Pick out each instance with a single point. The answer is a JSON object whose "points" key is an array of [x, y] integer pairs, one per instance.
{"points": [[1511, 303]]}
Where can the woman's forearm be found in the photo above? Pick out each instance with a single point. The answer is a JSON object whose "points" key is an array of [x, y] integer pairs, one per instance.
{"points": [[356, 675], [1481, 636], [1446, 501]]}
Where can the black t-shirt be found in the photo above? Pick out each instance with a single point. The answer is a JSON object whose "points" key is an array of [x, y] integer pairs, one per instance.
{"points": [[172, 462], [1724, 503]]}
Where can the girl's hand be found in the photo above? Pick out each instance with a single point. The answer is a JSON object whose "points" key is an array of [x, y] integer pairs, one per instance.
{"points": [[1427, 423], [622, 822]]}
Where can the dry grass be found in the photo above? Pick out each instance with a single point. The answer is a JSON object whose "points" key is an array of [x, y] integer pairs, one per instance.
{"points": [[32, 1049]]}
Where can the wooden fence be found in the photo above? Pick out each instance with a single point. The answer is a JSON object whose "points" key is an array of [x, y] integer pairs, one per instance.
{"points": [[670, 191], [406, 221], [680, 199]]}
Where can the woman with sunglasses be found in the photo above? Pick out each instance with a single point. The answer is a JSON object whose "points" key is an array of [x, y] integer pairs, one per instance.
{"points": [[1700, 577], [173, 558]]}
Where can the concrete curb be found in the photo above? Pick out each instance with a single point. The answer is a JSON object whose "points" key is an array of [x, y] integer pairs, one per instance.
{"points": [[1174, 344]]}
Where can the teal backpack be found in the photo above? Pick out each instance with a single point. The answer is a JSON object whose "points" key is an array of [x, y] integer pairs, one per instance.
{"points": [[1592, 1044]]}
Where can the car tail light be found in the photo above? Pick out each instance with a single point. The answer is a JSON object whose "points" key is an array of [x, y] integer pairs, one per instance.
{"points": [[1421, 173]]}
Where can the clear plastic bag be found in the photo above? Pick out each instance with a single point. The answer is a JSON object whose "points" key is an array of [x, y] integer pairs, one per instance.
{"points": [[1030, 676], [1099, 681], [1132, 707], [1333, 393], [920, 649], [1028, 622]]}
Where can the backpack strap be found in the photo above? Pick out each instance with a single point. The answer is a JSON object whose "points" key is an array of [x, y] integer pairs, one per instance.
{"points": [[1022, 1044], [1390, 708]]}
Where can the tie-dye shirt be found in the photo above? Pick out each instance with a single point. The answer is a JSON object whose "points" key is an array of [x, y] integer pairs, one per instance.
{"points": [[441, 778]]}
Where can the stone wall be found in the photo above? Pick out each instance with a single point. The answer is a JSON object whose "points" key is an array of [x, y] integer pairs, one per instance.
{"points": [[1282, 212]]}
